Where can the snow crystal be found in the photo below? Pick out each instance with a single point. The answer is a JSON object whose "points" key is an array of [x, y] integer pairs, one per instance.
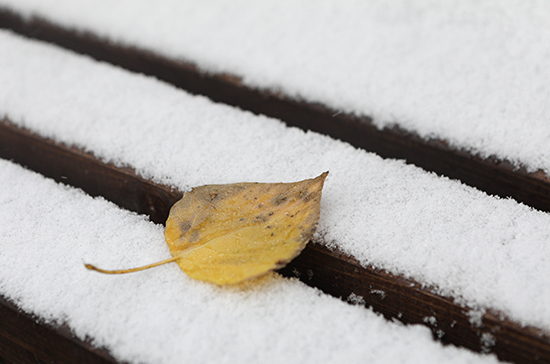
{"points": [[487, 341], [355, 299], [432, 320]]}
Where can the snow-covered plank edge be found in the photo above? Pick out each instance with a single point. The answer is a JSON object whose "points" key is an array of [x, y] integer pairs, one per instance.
{"points": [[331, 271], [80, 169], [494, 176], [24, 340]]}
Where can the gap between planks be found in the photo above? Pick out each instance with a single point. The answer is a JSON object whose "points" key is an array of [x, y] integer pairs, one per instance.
{"points": [[494, 176], [329, 270]]}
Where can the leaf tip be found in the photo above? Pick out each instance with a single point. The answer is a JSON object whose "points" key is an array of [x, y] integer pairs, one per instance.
{"points": [[321, 178]]}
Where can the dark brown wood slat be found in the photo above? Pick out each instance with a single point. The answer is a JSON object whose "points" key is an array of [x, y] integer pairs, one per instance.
{"points": [[75, 168], [494, 176], [24, 340], [331, 271]]}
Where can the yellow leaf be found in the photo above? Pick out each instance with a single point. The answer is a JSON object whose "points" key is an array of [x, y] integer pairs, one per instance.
{"points": [[226, 234], [230, 233]]}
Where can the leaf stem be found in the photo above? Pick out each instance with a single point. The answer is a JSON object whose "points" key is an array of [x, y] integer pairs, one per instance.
{"points": [[131, 270], [137, 269]]}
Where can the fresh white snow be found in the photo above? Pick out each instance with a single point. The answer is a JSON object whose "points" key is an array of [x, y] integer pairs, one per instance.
{"points": [[484, 251], [474, 73], [162, 316]]}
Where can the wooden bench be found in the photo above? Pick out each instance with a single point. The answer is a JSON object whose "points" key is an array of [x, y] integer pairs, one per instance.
{"points": [[24, 340]]}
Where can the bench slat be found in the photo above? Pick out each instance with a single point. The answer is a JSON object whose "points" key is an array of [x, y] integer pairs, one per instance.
{"points": [[23, 340]]}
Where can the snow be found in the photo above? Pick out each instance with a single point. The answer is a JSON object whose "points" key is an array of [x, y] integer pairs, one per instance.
{"points": [[484, 251], [473, 73], [162, 316]]}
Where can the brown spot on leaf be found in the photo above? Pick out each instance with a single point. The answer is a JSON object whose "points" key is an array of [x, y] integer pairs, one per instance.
{"points": [[185, 226], [261, 218], [279, 200], [309, 197]]}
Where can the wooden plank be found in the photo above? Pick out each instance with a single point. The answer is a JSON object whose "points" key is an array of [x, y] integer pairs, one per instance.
{"points": [[24, 340], [496, 177], [331, 271], [75, 168]]}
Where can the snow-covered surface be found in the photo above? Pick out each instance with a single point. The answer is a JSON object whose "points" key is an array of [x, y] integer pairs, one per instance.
{"points": [[161, 315], [472, 72], [485, 251]]}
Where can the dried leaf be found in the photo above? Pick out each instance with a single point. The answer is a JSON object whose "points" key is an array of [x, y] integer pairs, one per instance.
{"points": [[230, 233]]}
